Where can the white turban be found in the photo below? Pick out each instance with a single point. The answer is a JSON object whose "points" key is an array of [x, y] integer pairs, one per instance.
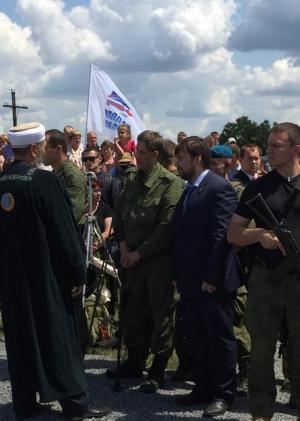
{"points": [[26, 134]]}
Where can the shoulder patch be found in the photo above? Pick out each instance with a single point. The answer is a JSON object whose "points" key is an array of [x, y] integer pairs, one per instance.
{"points": [[7, 202]]}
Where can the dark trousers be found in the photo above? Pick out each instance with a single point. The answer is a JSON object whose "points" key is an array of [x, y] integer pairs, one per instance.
{"points": [[209, 325], [180, 339]]}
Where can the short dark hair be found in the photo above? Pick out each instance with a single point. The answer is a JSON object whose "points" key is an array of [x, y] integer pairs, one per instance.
{"points": [[292, 130], [108, 144], [153, 140], [181, 136], [249, 146], [167, 151], [53, 132], [91, 149], [195, 146], [58, 139]]}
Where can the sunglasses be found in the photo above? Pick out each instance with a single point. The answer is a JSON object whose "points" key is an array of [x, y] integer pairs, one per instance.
{"points": [[89, 158]]}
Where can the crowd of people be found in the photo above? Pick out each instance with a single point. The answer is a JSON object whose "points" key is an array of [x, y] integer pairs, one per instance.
{"points": [[205, 238]]}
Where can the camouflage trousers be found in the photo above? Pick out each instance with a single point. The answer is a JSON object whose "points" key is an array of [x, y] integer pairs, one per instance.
{"points": [[150, 307], [267, 301], [240, 332]]}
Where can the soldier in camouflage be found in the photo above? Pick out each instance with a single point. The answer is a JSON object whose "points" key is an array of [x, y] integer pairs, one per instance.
{"points": [[141, 222]]}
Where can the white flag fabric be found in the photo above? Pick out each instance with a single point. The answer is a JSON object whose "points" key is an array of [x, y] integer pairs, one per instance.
{"points": [[108, 107]]}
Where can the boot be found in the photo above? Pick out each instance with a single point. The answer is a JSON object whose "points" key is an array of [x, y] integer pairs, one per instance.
{"points": [[132, 367], [242, 378], [156, 377], [292, 402]]}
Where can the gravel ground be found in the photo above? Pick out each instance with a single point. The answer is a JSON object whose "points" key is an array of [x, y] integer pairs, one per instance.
{"points": [[130, 404]]}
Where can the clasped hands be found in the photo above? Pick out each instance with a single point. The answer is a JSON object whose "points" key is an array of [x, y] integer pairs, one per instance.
{"points": [[128, 258]]}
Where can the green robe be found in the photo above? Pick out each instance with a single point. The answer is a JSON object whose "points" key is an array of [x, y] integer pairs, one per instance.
{"points": [[41, 259]]}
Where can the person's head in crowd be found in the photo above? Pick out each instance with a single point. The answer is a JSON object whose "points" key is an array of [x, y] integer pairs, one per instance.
{"points": [[209, 141], [167, 156], [251, 159], [193, 157], [28, 142], [220, 160], [149, 145], [92, 159], [216, 136], [3, 141], [75, 139], [231, 141], [124, 133], [125, 161], [67, 131], [283, 148], [181, 136], [56, 149], [236, 152], [91, 139], [107, 151]]}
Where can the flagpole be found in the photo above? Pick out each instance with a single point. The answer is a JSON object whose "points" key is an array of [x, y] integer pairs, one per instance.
{"points": [[87, 107]]}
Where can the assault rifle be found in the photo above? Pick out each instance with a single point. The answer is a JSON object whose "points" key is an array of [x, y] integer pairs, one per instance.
{"points": [[259, 206]]}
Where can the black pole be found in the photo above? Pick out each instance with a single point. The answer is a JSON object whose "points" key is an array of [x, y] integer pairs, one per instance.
{"points": [[14, 107]]}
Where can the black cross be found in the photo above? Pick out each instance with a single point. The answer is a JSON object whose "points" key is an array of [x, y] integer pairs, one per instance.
{"points": [[14, 107]]}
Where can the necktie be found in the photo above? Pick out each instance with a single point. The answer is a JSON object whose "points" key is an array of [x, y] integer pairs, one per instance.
{"points": [[187, 194]]}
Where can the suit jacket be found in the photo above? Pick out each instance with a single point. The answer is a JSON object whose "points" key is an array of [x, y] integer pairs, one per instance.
{"points": [[201, 251], [241, 176]]}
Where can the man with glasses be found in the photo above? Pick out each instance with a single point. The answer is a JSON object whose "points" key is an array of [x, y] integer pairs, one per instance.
{"points": [[109, 187]]}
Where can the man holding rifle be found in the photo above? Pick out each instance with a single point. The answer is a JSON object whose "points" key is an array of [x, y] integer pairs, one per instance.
{"points": [[274, 284]]}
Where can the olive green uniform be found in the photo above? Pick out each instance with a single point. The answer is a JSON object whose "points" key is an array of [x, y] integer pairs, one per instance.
{"points": [[76, 185], [240, 330], [142, 218]]}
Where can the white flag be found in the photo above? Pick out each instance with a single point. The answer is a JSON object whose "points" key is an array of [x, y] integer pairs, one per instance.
{"points": [[108, 107]]}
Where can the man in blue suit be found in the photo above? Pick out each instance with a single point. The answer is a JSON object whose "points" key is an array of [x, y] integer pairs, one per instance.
{"points": [[206, 277]]}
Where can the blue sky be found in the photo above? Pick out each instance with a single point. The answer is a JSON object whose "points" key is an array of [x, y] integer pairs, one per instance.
{"points": [[187, 65]]}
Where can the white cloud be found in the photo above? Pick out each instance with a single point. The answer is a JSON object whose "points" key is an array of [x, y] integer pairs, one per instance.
{"points": [[170, 58], [60, 40]]}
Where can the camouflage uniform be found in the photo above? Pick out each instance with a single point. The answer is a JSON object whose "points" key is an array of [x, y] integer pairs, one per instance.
{"points": [[142, 217], [240, 330], [76, 185], [277, 295]]}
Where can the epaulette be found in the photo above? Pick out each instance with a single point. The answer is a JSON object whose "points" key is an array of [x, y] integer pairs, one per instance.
{"points": [[167, 174]]}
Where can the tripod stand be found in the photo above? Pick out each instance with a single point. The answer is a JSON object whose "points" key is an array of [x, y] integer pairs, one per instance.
{"points": [[106, 265]]}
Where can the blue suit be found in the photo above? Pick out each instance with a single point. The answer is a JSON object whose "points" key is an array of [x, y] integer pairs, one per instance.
{"points": [[202, 253]]}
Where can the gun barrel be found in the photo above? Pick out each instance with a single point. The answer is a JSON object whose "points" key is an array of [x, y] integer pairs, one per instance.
{"points": [[258, 205]]}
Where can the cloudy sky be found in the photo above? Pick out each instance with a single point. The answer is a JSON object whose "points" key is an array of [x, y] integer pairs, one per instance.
{"points": [[187, 65]]}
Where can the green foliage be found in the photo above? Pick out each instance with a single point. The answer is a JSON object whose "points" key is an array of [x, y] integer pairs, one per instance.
{"points": [[246, 131]]}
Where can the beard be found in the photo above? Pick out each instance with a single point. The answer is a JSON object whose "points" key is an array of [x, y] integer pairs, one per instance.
{"points": [[187, 175]]}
